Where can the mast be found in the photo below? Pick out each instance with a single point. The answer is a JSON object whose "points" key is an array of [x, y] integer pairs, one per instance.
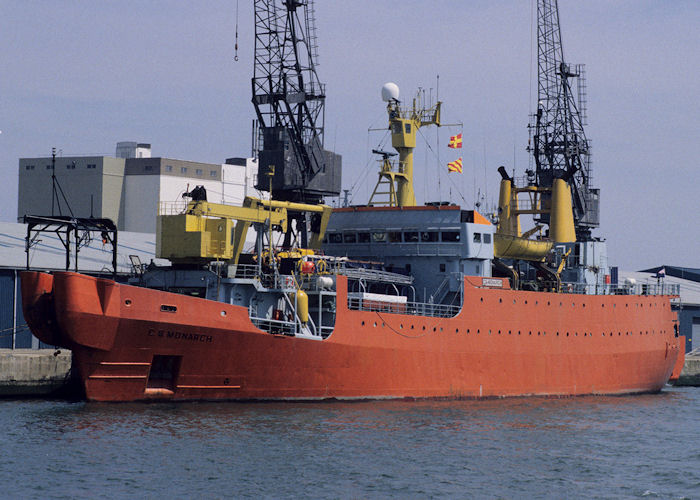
{"points": [[404, 123]]}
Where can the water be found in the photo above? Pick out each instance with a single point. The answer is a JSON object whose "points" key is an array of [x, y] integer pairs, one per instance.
{"points": [[589, 447]]}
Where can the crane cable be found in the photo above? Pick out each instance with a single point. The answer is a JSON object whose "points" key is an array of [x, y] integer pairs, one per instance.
{"points": [[235, 56]]}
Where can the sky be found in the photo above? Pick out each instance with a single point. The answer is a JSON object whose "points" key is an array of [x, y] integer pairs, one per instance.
{"points": [[81, 75]]}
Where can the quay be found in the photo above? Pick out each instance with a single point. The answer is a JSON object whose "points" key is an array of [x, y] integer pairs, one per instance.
{"points": [[690, 376], [34, 372]]}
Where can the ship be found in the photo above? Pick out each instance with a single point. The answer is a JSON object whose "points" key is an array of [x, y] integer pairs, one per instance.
{"points": [[390, 299]]}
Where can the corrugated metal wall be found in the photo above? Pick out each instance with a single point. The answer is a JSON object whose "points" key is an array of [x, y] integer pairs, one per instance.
{"points": [[11, 318], [7, 298]]}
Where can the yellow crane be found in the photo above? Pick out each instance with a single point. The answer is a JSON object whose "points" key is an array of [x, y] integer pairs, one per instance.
{"points": [[213, 231]]}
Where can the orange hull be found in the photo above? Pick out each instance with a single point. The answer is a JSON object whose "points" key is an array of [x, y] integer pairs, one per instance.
{"points": [[502, 343]]}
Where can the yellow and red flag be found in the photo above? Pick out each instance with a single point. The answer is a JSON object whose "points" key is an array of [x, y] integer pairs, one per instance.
{"points": [[455, 166], [455, 141]]}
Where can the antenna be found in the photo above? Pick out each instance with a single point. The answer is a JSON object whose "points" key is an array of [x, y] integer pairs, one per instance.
{"points": [[56, 189]]}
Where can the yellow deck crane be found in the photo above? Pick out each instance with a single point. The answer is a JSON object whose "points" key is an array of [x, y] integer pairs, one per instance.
{"points": [[212, 231]]}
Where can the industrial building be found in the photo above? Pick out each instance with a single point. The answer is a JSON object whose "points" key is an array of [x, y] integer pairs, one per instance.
{"points": [[128, 188]]}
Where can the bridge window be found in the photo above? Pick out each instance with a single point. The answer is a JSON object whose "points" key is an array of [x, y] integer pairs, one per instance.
{"points": [[349, 237], [450, 236], [428, 236], [335, 238], [379, 237], [394, 236], [487, 238], [477, 237], [410, 236], [363, 237]]}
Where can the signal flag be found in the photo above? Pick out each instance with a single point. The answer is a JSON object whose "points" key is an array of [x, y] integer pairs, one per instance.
{"points": [[455, 141], [455, 166]]}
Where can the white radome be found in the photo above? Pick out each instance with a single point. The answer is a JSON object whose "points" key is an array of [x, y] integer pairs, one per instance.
{"points": [[390, 91]]}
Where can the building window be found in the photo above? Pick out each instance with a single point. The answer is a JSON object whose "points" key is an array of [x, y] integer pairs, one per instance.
{"points": [[148, 168], [477, 237], [91, 165], [212, 173], [442, 268], [183, 170], [48, 167], [29, 167], [487, 238], [198, 171], [70, 166]]}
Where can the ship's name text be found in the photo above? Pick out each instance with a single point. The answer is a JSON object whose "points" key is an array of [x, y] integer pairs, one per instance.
{"points": [[173, 334]]}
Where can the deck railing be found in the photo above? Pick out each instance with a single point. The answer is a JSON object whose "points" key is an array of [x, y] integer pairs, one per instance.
{"points": [[411, 308], [606, 289]]}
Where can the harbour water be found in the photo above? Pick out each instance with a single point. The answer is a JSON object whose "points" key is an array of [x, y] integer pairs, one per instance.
{"points": [[645, 446]]}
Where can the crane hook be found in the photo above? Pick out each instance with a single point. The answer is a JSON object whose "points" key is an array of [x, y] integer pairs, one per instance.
{"points": [[235, 56]]}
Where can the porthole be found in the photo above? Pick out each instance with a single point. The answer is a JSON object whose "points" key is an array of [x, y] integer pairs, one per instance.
{"points": [[363, 323], [375, 324], [127, 302], [223, 314]]}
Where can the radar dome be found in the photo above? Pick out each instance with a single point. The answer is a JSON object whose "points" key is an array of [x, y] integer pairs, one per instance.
{"points": [[390, 91]]}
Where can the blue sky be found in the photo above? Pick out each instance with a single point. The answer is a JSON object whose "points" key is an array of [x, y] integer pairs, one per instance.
{"points": [[80, 76]]}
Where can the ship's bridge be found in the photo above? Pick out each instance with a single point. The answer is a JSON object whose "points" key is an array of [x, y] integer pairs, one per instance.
{"points": [[436, 244]]}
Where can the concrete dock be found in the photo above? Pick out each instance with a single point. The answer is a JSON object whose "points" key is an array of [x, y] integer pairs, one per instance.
{"points": [[690, 376], [32, 372]]}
